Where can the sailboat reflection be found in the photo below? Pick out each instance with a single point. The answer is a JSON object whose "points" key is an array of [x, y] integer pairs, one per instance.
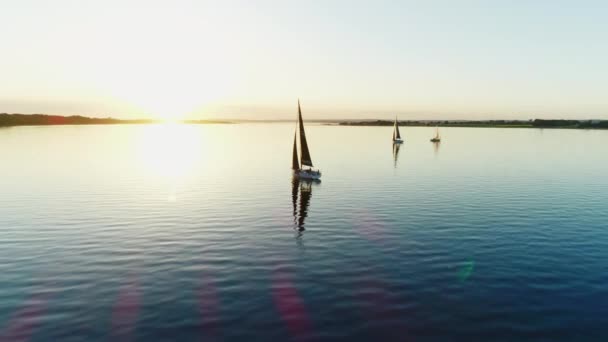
{"points": [[301, 188], [436, 146], [396, 148]]}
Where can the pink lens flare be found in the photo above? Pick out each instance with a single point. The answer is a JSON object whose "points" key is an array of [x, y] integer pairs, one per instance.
{"points": [[289, 305], [26, 320], [126, 310], [209, 307], [369, 226]]}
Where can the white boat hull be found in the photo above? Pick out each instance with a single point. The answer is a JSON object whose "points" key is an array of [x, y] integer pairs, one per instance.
{"points": [[307, 174]]}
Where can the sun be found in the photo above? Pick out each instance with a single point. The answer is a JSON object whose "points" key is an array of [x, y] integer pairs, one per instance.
{"points": [[170, 93], [168, 104]]}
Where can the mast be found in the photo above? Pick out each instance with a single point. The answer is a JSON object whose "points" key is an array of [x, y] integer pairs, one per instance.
{"points": [[295, 163], [305, 157]]}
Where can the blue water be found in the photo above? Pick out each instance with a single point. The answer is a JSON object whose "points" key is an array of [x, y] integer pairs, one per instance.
{"points": [[190, 233]]}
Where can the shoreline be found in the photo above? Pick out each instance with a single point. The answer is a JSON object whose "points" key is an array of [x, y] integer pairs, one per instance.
{"points": [[14, 120], [538, 123]]}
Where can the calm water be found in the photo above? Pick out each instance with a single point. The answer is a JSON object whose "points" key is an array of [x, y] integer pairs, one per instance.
{"points": [[189, 233]]}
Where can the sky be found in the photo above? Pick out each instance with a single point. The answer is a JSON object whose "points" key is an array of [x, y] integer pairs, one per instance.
{"points": [[197, 59]]}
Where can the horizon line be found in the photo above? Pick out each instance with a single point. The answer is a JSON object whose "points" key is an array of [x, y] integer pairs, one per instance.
{"points": [[291, 120]]}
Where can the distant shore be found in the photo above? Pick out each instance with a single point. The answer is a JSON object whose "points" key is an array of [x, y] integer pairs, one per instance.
{"points": [[538, 123], [7, 120]]}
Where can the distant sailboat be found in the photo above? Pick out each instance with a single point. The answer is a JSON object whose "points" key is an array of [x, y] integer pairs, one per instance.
{"points": [[396, 135], [437, 138], [297, 164]]}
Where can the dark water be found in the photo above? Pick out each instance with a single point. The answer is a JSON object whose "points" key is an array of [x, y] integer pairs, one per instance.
{"points": [[190, 233]]}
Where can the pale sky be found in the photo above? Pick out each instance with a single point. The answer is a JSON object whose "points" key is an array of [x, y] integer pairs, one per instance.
{"points": [[516, 59]]}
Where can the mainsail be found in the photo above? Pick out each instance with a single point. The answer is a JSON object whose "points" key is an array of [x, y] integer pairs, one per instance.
{"points": [[396, 134], [295, 163], [305, 154]]}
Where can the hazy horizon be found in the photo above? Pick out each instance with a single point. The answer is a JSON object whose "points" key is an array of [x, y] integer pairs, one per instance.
{"points": [[288, 118], [345, 60]]}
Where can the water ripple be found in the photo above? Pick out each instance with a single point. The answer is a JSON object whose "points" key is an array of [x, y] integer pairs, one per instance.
{"points": [[486, 238]]}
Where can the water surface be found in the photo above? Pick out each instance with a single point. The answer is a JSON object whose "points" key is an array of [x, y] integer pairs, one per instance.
{"points": [[197, 232]]}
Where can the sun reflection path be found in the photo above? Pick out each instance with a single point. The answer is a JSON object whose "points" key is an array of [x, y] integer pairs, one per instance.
{"points": [[169, 150], [169, 153]]}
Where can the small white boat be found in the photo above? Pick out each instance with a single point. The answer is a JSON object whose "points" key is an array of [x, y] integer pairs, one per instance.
{"points": [[396, 135], [436, 138], [298, 164], [309, 174]]}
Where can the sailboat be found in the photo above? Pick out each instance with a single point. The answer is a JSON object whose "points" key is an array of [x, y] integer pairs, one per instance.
{"points": [[396, 135], [436, 138], [298, 164]]}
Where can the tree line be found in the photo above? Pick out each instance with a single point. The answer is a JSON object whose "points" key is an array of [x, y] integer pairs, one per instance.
{"points": [[42, 119]]}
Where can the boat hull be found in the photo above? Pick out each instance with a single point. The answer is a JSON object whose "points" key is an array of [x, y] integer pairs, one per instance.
{"points": [[307, 174], [397, 141], [435, 140]]}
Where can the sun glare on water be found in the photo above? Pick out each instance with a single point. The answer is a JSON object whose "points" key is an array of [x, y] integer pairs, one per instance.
{"points": [[169, 150]]}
